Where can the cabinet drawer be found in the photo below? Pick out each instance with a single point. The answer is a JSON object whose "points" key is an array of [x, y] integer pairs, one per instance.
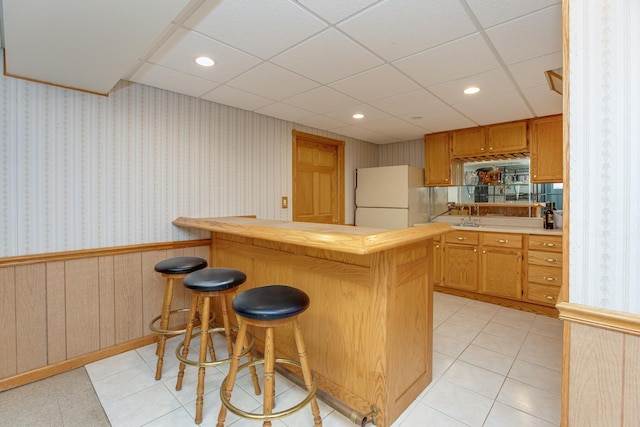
{"points": [[462, 237], [502, 240], [543, 294], [545, 243], [553, 259], [545, 275]]}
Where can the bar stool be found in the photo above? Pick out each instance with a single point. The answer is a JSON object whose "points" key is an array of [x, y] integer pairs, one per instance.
{"points": [[267, 307], [171, 269], [205, 285]]}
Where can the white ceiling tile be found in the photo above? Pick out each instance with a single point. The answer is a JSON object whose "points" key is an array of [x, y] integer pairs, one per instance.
{"points": [[544, 101], [181, 50], [398, 28], [491, 83], [407, 102], [322, 100], [370, 114], [365, 135], [530, 73], [378, 83], [496, 109], [493, 12], [440, 119], [236, 98], [395, 127], [337, 10], [175, 81], [262, 28], [322, 122], [529, 37], [460, 58], [327, 57], [286, 112], [272, 82]]}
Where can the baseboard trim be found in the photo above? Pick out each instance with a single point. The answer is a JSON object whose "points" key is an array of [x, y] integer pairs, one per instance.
{"points": [[76, 362], [627, 323]]}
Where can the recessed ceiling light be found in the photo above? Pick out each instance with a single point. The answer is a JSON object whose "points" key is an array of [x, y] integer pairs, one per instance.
{"points": [[358, 116], [205, 61], [471, 90]]}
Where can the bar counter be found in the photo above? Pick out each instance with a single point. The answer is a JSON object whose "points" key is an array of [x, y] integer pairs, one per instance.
{"points": [[368, 330]]}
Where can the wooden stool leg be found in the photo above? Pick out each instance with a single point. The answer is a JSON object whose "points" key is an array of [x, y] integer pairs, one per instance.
{"points": [[306, 372], [227, 325], [233, 370], [204, 340], [164, 324], [269, 373], [187, 339]]}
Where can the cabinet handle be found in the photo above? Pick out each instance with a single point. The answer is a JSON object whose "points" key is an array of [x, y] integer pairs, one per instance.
{"points": [[551, 259], [475, 250], [490, 148], [549, 297], [550, 279], [437, 246], [502, 241], [446, 180], [549, 245], [462, 238], [484, 251], [482, 149]]}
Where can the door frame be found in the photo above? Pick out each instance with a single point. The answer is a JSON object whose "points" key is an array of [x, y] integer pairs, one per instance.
{"points": [[339, 166]]}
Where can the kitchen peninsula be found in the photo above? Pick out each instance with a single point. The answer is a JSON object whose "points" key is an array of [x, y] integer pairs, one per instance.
{"points": [[369, 327]]}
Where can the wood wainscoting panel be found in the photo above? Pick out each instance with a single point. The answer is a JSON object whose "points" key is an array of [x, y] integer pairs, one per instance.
{"points": [[107, 308], [8, 332], [56, 312], [128, 297], [31, 317], [631, 392], [82, 297], [596, 376]]}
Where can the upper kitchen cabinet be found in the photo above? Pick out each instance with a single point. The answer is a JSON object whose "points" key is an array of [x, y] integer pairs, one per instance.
{"points": [[546, 149], [437, 160], [491, 141]]}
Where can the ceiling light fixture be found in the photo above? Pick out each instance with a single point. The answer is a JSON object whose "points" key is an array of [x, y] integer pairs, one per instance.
{"points": [[205, 61], [358, 116], [471, 90]]}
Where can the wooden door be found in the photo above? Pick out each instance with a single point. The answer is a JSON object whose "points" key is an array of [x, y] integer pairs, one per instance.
{"points": [[468, 142], [546, 149], [461, 267], [507, 138], [437, 159], [501, 272], [318, 179]]}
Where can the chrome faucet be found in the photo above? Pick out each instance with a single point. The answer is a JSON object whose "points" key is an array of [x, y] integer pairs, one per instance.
{"points": [[469, 222]]}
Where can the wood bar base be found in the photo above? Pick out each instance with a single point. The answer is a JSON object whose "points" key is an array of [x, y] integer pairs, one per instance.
{"points": [[368, 330]]}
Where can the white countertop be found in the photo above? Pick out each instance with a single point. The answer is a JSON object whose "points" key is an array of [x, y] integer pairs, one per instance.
{"points": [[498, 224]]}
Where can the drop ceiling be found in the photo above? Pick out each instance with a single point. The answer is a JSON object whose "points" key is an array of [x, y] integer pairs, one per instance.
{"points": [[401, 63]]}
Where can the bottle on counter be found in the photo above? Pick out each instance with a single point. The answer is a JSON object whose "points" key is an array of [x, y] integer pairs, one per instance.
{"points": [[548, 217]]}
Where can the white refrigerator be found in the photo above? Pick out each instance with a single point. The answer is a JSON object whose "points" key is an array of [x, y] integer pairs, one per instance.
{"points": [[390, 197]]}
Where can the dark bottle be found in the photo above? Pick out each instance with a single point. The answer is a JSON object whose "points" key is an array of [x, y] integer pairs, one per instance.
{"points": [[548, 217]]}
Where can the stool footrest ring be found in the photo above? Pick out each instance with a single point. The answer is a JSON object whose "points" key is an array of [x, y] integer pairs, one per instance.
{"points": [[157, 329], [215, 362], [275, 415]]}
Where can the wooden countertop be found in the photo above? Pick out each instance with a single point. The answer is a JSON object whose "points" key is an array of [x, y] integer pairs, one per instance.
{"points": [[340, 238]]}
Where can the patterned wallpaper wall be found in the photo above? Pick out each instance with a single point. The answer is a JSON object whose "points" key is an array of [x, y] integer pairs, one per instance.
{"points": [[81, 171], [604, 157]]}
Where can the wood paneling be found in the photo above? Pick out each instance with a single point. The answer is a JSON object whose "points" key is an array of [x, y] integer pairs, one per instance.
{"points": [[631, 391], [56, 313]]}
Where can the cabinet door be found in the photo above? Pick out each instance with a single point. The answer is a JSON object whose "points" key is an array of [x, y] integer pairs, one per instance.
{"points": [[437, 159], [546, 149], [468, 142], [507, 138], [501, 272], [437, 262], [461, 267]]}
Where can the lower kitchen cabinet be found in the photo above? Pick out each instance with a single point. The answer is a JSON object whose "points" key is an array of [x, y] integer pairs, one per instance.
{"points": [[518, 270], [460, 264], [501, 265]]}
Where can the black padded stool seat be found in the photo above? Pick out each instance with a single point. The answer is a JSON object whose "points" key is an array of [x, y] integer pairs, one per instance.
{"points": [[205, 286], [181, 265], [268, 307], [271, 302], [214, 279], [171, 269]]}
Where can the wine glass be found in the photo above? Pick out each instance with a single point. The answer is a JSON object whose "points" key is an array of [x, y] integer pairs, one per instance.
{"points": [[471, 180]]}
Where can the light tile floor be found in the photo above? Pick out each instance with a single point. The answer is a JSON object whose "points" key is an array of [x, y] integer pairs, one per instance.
{"points": [[492, 366]]}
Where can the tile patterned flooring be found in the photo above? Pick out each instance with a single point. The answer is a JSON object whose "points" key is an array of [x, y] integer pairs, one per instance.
{"points": [[492, 366]]}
